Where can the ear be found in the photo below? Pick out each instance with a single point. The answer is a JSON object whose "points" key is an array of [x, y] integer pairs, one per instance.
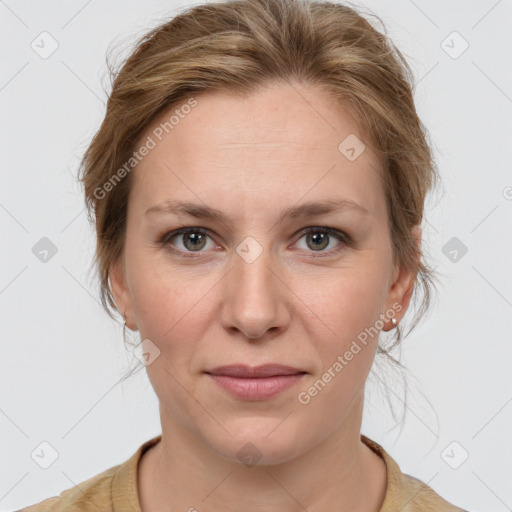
{"points": [[403, 282], [121, 293]]}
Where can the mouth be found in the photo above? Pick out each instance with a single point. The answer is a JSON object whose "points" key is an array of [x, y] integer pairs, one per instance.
{"points": [[255, 383], [244, 371]]}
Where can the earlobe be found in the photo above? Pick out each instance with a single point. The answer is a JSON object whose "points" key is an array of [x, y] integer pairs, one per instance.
{"points": [[116, 281], [403, 284], [120, 292]]}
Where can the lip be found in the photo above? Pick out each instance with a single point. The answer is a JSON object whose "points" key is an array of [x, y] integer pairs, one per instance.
{"points": [[255, 383], [244, 371]]}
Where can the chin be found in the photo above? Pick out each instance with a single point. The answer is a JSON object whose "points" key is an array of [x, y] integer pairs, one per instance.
{"points": [[262, 441]]}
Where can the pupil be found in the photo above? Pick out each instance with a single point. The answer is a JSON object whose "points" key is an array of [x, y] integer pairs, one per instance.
{"points": [[319, 238], [196, 239]]}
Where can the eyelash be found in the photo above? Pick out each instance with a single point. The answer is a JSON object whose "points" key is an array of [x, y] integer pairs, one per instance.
{"points": [[166, 238]]}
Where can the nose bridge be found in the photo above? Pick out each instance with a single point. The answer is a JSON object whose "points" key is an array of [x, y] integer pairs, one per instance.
{"points": [[254, 301]]}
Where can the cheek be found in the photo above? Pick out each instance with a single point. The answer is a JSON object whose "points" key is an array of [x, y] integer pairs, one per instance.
{"points": [[340, 313], [344, 301], [172, 309], [170, 304], [345, 332]]}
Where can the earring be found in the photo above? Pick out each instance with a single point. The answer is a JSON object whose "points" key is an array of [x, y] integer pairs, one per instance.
{"points": [[124, 329], [394, 322]]}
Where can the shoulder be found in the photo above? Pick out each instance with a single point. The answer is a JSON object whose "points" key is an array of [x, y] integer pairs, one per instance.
{"points": [[91, 494], [405, 492], [418, 496], [113, 489]]}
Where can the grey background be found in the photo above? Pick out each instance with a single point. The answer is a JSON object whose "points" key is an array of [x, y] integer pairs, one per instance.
{"points": [[62, 357]]}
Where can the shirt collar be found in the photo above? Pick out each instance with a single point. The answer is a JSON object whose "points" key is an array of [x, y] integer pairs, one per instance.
{"points": [[125, 496]]}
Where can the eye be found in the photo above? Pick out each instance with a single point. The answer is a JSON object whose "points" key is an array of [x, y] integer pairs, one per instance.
{"points": [[195, 240], [192, 239], [318, 238]]}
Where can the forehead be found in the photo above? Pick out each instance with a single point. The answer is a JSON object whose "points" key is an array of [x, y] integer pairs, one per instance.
{"points": [[283, 141]]}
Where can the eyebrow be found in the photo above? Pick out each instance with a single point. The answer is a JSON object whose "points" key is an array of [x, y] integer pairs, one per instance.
{"points": [[303, 210]]}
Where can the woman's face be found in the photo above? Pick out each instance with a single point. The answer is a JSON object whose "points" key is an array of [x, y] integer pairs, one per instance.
{"points": [[248, 285]]}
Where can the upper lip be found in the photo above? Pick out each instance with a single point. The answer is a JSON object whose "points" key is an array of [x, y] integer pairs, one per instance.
{"points": [[267, 370]]}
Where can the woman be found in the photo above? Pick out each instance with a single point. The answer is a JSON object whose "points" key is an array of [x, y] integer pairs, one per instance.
{"points": [[258, 186]]}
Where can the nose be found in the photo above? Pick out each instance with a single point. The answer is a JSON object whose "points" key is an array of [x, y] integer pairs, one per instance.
{"points": [[255, 298]]}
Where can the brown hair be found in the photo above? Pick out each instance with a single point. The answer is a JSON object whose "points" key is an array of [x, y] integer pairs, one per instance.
{"points": [[241, 45]]}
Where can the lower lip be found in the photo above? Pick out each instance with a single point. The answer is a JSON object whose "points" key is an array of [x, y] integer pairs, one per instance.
{"points": [[256, 388]]}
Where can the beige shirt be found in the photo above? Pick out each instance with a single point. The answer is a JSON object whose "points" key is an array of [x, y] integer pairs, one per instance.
{"points": [[115, 489]]}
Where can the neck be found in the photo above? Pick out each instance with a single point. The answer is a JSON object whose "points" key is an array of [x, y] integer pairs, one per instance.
{"points": [[340, 474]]}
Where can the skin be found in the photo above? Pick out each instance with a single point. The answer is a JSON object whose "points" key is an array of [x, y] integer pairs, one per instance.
{"points": [[251, 157]]}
